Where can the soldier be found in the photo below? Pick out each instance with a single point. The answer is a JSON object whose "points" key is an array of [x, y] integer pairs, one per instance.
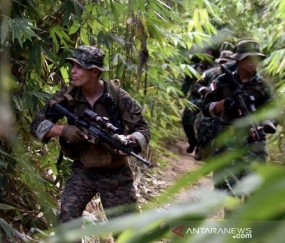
{"points": [[189, 116], [207, 127], [96, 168], [224, 101]]}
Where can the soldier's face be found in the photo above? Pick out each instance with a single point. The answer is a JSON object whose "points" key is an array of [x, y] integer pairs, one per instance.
{"points": [[249, 63], [81, 76]]}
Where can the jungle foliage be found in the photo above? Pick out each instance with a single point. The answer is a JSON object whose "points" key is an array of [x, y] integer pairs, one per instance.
{"points": [[148, 45]]}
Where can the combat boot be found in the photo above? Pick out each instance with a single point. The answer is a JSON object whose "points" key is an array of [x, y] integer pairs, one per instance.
{"points": [[197, 154], [191, 148]]}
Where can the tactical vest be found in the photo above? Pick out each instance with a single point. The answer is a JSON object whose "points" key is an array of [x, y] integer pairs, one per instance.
{"points": [[93, 155]]}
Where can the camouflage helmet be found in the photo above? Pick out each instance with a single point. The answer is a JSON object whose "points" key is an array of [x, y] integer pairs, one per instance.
{"points": [[88, 57], [247, 47]]}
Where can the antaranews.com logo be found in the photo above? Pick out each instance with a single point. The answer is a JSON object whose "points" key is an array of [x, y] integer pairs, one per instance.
{"points": [[236, 233], [230, 231]]}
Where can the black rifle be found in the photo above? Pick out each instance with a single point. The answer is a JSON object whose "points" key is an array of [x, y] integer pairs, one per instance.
{"points": [[97, 133], [246, 104]]}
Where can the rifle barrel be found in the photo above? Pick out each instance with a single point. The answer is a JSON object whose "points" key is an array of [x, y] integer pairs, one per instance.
{"points": [[98, 133]]}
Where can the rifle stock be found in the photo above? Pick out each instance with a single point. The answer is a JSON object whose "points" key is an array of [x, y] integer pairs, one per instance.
{"points": [[97, 133]]}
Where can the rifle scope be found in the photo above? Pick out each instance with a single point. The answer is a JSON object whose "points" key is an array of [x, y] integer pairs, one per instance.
{"points": [[103, 122]]}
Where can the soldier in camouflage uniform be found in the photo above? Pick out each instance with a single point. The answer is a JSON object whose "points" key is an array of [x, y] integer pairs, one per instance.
{"points": [[96, 168], [207, 127], [222, 102], [189, 116]]}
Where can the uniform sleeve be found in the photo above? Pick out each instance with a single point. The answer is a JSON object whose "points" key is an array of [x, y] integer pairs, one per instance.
{"points": [[44, 120], [212, 98], [269, 124], [131, 113], [200, 86], [186, 84]]}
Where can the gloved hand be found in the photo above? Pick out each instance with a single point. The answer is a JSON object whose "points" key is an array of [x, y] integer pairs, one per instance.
{"points": [[231, 106], [237, 93], [261, 134], [72, 134]]}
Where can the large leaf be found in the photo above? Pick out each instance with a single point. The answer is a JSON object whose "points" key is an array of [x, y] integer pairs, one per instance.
{"points": [[4, 29]]}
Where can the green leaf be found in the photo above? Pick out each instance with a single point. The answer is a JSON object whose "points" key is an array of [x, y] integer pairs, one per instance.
{"points": [[118, 39], [61, 33], [78, 7], [73, 29], [154, 33], [54, 39], [196, 16], [67, 8], [26, 27], [10, 231], [158, 7], [115, 12], [18, 34], [4, 29], [6, 207], [3, 164], [5, 153], [84, 36], [37, 56], [141, 5]]}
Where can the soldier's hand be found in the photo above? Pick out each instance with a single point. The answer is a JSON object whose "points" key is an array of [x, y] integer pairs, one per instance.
{"points": [[231, 106], [72, 134], [253, 134]]}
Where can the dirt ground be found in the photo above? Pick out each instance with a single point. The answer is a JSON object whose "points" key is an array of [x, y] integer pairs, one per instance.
{"points": [[182, 164], [152, 183]]}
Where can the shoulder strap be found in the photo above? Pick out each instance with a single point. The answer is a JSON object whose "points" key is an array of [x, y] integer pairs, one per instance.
{"points": [[114, 86], [66, 95]]}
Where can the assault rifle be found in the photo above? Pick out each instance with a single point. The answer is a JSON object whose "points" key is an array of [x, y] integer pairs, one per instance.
{"points": [[246, 104], [104, 131]]}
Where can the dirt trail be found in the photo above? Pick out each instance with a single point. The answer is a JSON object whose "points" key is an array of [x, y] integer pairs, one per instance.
{"points": [[184, 163], [150, 184]]}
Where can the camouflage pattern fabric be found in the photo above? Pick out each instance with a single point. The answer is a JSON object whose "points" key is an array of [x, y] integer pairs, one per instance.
{"points": [[237, 137], [207, 127], [214, 72], [240, 166], [115, 188], [114, 185], [189, 116], [88, 57], [189, 83], [130, 111]]}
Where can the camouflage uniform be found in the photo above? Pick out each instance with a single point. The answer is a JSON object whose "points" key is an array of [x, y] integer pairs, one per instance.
{"points": [[114, 182], [189, 116], [207, 127], [237, 137]]}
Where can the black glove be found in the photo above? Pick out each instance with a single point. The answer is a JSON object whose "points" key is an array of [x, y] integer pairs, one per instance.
{"points": [[237, 93], [72, 134], [231, 106]]}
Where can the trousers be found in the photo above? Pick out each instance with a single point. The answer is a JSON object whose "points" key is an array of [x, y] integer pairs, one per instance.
{"points": [[114, 186]]}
